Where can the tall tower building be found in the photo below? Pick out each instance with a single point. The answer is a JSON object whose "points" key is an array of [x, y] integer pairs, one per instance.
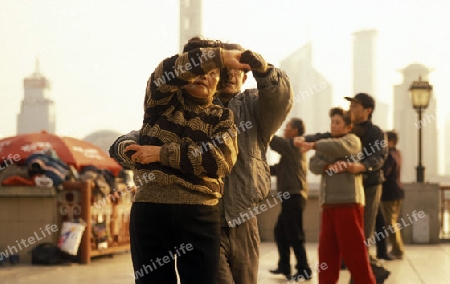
{"points": [[406, 123], [37, 110], [191, 20], [364, 73], [313, 93], [364, 79]]}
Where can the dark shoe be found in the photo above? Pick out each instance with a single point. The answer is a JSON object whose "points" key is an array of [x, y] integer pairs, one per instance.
{"points": [[396, 256], [279, 271], [381, 278], [304, 275], [386, 257], [380, 273]]}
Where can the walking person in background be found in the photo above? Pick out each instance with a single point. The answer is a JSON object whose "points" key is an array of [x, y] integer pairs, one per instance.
{"points": [[178, 206], [392, 196], [291, 178], [341, 196]]}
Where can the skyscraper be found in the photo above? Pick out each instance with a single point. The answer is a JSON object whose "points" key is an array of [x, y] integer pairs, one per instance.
{"points": [[313, 93], [364, 73], [364, 58], [406, 123], [37, 110], [191, 20]]}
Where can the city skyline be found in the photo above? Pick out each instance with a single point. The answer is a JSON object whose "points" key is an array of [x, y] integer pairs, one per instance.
{"points": [[98, 57]]}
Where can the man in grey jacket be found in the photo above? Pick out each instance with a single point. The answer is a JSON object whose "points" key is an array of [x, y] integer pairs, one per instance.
{"points": [[258, 114]]}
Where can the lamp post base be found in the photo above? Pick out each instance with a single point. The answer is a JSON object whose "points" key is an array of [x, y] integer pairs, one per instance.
{"points": [[420, 174]]}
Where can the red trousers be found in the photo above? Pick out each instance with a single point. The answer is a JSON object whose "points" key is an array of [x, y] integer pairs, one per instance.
{"points": [[342, 236]]}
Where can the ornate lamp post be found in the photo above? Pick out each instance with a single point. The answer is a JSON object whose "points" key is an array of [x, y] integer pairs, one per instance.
{"points": [[420, 92]]}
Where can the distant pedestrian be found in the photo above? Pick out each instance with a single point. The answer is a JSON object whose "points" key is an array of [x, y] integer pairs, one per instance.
{"points": [[393, 195]]}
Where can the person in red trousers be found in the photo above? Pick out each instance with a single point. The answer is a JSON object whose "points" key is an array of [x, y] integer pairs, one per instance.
{"points": [[341, 196]]}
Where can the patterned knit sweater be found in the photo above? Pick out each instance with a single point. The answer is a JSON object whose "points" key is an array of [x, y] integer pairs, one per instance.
{"points": [[198, 139]]}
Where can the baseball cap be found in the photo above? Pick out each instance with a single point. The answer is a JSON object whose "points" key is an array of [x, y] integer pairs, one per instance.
{"points": [[365, 99]]}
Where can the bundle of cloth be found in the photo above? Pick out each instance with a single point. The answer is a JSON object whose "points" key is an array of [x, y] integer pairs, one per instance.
{"points": [[42, 164]]}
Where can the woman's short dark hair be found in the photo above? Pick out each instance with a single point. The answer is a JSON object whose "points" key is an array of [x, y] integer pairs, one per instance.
{"points": [[392, 136], [345, 114], [298, 124], [197, 42]]}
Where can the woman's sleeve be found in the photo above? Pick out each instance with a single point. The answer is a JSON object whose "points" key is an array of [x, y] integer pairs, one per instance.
{"points": [[317, 164], [213, 158]]}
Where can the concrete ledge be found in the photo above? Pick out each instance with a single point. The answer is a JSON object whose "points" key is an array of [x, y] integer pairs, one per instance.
{"points": [[419, 197], [26, 191], [24, 211]]}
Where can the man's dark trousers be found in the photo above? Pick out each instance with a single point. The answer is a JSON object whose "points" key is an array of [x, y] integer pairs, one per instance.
{"points": [[289, 233]]}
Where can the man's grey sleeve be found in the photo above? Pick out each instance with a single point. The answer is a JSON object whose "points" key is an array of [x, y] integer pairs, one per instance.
{"points": [[275, 99]]}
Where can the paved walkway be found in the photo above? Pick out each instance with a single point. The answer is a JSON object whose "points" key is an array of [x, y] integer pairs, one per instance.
{"points": [[428, 264]]}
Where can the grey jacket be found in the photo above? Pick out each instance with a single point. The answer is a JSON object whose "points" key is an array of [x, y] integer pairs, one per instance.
{"points": [[262, 111], [337, 188], [291, 170]]}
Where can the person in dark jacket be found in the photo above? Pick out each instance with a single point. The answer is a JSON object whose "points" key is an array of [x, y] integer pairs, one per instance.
{"points": [[291, 178], [374, 154], [393, 194]]}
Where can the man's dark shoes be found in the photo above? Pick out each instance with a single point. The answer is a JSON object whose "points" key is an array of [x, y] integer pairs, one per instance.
{"points": [[279, 271], [396, 256], [300, 276], [380, 273], [386, 257]]}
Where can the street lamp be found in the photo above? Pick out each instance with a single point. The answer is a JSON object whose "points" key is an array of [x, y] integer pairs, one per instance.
{"points": [[420, 92]]}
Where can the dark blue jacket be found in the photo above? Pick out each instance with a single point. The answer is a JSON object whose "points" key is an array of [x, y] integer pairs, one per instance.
{"points": [[392, 186]]}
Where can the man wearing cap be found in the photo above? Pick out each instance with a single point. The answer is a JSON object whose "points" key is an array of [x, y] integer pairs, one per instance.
{"points": [[362, 106], [369, 163]]}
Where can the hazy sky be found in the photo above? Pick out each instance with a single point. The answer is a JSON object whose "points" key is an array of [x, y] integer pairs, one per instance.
{"points": [[98, 55]]}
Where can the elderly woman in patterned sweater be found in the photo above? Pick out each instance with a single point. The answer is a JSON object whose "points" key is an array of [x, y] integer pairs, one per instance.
{"points": [[186, 146]]}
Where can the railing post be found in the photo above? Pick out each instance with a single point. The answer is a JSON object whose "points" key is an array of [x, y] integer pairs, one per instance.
{"points": [[85, 246]]}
